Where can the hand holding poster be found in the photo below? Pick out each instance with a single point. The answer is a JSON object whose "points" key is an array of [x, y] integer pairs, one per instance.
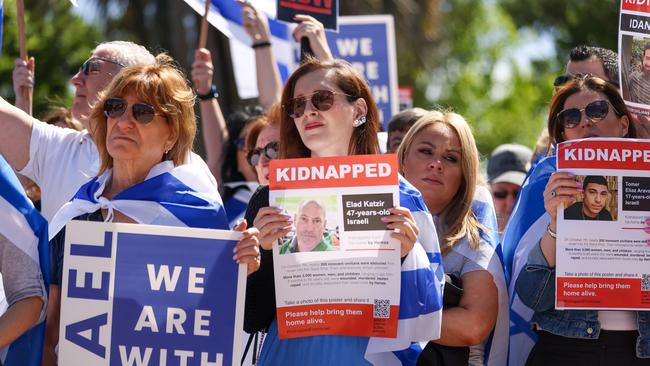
{"points": [[338, 273], [603, 256], [150, 295], [325, 11]]}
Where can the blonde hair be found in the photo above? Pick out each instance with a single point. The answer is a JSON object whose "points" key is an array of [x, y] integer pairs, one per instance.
{"points": [[457, 220], [162, 85]]}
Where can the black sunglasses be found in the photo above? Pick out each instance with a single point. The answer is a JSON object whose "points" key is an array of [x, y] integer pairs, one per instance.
{"points": [[271, 151], [503, 194], [561, 80], [322, 100], [595, 111], [93, 65], [142, 113]]}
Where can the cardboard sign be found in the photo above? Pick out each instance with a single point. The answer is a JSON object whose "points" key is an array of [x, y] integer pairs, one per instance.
{"points": [[325, 11], [368, 43], [150, 295]]}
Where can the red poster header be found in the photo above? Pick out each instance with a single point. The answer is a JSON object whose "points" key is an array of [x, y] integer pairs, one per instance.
{"points": [[619, 154], [340, 171], [636, 5]]}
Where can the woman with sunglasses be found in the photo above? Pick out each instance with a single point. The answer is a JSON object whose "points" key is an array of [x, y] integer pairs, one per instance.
{"points": [[263, 142], [439, 157], [329, 111], [584, 107], [144, 126]]}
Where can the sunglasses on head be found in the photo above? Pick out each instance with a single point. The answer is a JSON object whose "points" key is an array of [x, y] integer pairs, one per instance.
{"points": [[322, 100], [595, 111], [93, 65], [561, 80], [271, 151], [503, 194], [142, 113]]}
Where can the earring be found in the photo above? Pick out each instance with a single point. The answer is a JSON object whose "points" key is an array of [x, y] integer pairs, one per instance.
{"points": [[359, 121], [166, 151]]}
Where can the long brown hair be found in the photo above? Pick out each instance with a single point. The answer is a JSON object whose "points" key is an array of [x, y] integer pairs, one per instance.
{"points": [[364, 138]]}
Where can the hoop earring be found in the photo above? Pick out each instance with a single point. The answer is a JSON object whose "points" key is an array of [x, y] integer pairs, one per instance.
{"points": [[359, 121]]}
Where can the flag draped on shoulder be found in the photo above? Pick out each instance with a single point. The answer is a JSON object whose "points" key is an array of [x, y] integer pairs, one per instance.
{"points": [[525, 229], [173, 196], [26, 229], [422, 281], [226, 16], [496, 349]]}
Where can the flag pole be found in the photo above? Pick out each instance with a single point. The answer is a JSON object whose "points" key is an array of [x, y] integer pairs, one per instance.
{"points": [[203, 38], [22, 41]]}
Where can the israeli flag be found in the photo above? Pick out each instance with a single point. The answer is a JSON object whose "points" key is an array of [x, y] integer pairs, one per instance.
{"points": [[422, 281], [171, 196], [525, 229], [496, 349], [226, 16], [25, 228]]}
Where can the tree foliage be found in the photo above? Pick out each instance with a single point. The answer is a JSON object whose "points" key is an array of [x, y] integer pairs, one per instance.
{"points": [[57, 39]]}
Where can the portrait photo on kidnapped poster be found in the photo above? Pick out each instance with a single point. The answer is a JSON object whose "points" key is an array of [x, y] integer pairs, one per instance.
{"points": [[597, 201], [315, 224], [635, 71]]}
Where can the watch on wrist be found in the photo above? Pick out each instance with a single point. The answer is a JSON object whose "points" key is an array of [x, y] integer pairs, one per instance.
{"points": [[212, 94]]}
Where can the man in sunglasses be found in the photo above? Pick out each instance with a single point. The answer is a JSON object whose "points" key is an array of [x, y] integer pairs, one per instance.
{"points": [[507, 168], [597, 61], [61, 160]]}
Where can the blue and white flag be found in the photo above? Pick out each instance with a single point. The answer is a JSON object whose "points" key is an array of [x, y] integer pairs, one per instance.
{"points": [[496, 349], [226, 16], [420, 312], [525, 229], [25, 228], [172, 196]]}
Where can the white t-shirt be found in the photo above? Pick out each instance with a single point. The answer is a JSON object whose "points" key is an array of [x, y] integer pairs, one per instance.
{"points": [[60, 161]]}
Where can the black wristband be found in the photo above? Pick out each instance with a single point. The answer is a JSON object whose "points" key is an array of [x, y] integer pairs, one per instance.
{"points": [[212, 94], [262, 44]]}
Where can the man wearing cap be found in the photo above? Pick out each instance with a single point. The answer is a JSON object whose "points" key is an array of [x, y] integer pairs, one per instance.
{"points": [[507, 168], [596, 193]]}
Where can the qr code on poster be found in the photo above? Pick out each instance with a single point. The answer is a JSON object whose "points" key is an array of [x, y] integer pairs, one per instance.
{"points": [[381, 309], [645, 282]]}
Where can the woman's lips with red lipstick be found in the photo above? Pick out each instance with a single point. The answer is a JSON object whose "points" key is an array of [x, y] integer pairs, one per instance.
{"points": [[312, 125]]}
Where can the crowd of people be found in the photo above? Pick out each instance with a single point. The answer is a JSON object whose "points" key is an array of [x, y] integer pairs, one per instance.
{"points": [[127, 140]]}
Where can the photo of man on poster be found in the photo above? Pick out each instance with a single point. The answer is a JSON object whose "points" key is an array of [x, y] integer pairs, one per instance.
{"points": [[640, 79], [593, 207], [311, 233]]}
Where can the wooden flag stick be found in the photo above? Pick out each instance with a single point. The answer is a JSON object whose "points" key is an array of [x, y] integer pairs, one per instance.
{"points": [[203, 38], [22, 41]]}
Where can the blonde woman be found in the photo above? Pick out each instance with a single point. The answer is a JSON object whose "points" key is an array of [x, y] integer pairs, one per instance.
{"points": [[439, 157]]}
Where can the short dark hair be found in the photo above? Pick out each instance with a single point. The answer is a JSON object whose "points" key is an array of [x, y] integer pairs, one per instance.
{"points": [[608, 58], [405, 119], [595, 179]]}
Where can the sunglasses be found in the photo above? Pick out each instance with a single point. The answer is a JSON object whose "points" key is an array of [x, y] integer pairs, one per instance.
{"points": [[322, 100], [142, 113], [561, 80], [271, 151], [503, 194], [93, 65], [595, 111]]}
